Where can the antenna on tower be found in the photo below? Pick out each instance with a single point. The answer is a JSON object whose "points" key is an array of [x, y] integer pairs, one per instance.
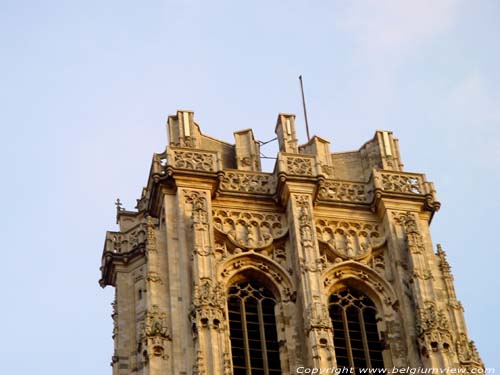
{"points": [[304, 106]]}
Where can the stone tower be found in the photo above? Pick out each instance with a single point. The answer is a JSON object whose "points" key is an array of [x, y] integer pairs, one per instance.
{"points": [[327, 262]]}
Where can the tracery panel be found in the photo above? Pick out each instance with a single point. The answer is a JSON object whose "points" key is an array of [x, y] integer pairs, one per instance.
{"points": [[356, 340], [252, 327]]}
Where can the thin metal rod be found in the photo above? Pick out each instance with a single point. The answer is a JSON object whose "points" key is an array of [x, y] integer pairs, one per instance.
{"points": [[304, 106]]}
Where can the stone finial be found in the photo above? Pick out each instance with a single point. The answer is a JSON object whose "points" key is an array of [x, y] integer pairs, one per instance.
{"points": [[247, 151], [444, 265], [285, 130]]}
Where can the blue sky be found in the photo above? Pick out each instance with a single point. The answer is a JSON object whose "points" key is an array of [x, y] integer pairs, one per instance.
{"points": [[87, 87]]}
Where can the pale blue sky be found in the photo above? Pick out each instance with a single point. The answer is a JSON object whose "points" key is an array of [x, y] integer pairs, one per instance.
{"points": [[87, 87]]}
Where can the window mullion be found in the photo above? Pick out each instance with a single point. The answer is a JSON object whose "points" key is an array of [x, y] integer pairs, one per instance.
{"points": [[365, 339], [347, 337], [263, 337], [245, 336]]}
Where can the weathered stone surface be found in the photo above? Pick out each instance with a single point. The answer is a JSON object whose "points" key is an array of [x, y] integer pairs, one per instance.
{"points": [[209, 217]]}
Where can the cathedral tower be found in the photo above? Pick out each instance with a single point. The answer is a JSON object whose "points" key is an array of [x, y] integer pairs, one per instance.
{"points": [[327, 262]]}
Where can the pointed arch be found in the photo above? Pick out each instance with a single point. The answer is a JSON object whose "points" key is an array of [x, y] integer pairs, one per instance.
{"points": [[250, 265], [256, 288], [362, 300], [361, 277]]}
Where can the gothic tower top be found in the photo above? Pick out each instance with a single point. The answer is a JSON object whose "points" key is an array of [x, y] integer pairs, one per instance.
{"points": [[236, 168], [326, 262]]}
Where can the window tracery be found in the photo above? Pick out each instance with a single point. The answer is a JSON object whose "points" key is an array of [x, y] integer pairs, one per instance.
{"points": [[252, 326], [355, 335]]}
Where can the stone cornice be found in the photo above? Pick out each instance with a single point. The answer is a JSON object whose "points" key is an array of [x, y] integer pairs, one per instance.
{"points": [[111, 261]]}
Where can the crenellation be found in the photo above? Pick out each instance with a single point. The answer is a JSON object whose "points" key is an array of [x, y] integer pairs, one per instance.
{"points": [[351, 226]]}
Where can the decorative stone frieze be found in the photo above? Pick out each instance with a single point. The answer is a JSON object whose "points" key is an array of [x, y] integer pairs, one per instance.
{"points": [[344, 191], [248, 182], [348, 240], [301, 166], [402, 183], [250, 229], [193, 160]]}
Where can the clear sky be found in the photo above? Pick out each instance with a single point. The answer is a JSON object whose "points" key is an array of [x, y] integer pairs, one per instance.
{"points": [[87, 86]]}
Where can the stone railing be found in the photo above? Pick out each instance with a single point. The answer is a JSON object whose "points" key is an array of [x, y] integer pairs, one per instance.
{"points": [[195, 160], [247, 182], [297, 164], [294, 165], [125, 242], [402, 182], [411, 184], [345, 191]]}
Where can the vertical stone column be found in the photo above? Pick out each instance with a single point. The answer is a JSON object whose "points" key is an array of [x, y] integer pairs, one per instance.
{"points": [[155, 335], [208, 297], [432, 320], [464, 352], [125, 324], [317, 324]]}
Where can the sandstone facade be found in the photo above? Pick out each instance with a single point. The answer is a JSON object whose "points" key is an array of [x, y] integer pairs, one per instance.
{"points": [[320, 225]]}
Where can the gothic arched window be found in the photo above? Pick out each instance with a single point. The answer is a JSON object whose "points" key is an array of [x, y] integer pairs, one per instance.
{"points": [[355, 335], [252, 325]]}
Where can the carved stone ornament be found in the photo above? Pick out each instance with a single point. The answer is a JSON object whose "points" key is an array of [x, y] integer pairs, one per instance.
{"points": [[359, 273], [467, 353], [199, 366], [198, 202], [156, 323], [248, 182], [154, 277], [343, 191], [195, 160], [401, 183], [200, 222], [228, 367], [249, 230], [124, 242], [114, 317], [187, 141], [317, 317], [348, 240], [305, 221], [433, 329], [209, 293], [208, 304], [269, 267], [155, 334], [151, 236], [414, 238], [299, 166], [444, 266]]}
